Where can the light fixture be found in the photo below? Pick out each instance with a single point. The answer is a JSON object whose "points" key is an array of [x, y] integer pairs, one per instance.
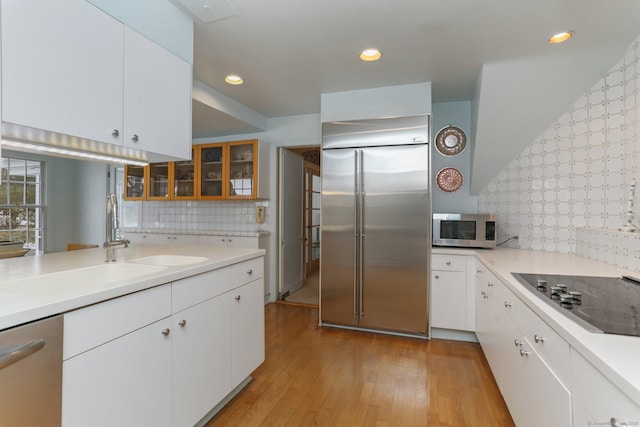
{"points": [[370, 55], [233, 79], [65, 152], [560, 37]]}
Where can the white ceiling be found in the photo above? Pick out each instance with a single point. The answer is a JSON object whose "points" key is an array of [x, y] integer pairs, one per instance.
{"points": [[291, 51]]}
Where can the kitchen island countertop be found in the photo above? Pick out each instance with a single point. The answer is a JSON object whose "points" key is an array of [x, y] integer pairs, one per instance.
{"points": [[615, 356], [35, 287]]}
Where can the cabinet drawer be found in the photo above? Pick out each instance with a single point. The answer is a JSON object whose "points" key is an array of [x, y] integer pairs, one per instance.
{"points": [[246, 271], [449, 262], [91, 326], [543, 339], [195, 289]]}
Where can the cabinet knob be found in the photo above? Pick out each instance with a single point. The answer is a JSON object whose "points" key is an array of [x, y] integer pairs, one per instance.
{"points": [[166, 331], [229, 240], [237, 298], [507, 304], [437, 276], [115, 132], [490, 285], [523, 353], [448, 262], [517, 342], [182, 323], [134, 138], [538, 339], [478, 271], [249, 272]]}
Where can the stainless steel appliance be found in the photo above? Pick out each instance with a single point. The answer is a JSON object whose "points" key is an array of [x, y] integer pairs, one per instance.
{"points": [[599, 304], [31, 374], [375, 237], [464, 230]]}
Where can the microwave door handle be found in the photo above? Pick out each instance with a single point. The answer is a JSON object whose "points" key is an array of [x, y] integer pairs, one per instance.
{"points": [[13, 354]]}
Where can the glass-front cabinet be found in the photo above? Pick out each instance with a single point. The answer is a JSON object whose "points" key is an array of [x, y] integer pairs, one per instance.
{"points": [[210, 158], [134, 182], [159, 179], [226, 170], [242, 169], [184, 179]]}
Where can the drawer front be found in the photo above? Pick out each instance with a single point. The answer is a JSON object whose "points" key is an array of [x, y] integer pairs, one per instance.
{"points": [[92, 326], [543, 339], [195, 289], [246, 271], [448, 262]]}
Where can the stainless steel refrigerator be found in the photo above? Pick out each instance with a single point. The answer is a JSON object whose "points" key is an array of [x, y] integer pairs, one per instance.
{"points": [[376, 224]]}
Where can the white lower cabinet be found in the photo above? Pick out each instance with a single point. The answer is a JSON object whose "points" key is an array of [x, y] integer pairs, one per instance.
{"points": [[229, 241], [596, 401], [452, 292], [165, 356], [201, 359], [163, 238], [526, 375]]}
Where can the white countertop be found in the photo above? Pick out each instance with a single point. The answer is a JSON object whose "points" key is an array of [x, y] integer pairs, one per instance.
{"points": [[33, 287], [616, 356]]}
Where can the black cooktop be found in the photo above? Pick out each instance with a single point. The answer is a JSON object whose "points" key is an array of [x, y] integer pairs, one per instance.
{"points": [[608, 305]]}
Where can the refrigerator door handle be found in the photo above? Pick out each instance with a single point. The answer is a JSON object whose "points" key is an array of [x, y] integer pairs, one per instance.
{"points": [[355, 234], [361, 227]]}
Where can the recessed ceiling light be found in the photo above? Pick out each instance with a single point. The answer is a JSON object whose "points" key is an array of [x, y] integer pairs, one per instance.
{"points": [[370, 55], [561, 37], [232, 79]]}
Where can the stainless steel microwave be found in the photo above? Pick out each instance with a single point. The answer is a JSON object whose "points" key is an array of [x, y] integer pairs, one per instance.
{"points": [[464, 230]]}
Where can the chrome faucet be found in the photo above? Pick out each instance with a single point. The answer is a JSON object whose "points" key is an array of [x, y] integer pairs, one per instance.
{"points": [[112, 225]]}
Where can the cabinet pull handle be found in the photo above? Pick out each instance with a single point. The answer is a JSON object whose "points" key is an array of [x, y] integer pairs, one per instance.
{"points": [[11, 355], [490, 284], [538, 339], [166, 331], [478, 271], [134, 138], [249, 272], [507, 304], [115, 132], [517, 343], [448, 262], [230, 240], [182, 323], [524, 353], [237, 298], [437, 276]]}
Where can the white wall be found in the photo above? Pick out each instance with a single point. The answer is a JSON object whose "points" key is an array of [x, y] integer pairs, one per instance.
{"points": [[460, 201], [568, 190]]}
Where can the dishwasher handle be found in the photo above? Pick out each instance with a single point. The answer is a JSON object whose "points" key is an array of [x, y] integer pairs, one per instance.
{"points": [[13, 354]]}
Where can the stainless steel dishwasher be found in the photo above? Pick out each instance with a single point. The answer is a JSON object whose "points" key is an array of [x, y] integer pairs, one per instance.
{"points": [[31, 374]]}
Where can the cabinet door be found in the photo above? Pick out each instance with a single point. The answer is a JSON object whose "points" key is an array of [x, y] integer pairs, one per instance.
{"points": [[247, 329], [242, 169], [62, 68], [202, 357], [448, 299], [159, 175], [134, 185], [184, 179], [157, 98], [125, 382], [212, 173]]}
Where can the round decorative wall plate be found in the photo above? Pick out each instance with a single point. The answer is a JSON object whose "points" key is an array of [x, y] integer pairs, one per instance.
{"points": [[451, 140], [449, 179]]}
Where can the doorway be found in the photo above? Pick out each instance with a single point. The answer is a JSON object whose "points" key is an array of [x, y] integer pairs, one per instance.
{"points": [[300, 185]]}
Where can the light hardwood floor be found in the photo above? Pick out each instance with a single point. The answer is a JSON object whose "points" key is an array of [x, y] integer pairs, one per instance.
{"points": [[316, 376]]}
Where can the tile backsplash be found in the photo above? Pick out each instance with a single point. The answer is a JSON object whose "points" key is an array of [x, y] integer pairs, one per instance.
{"points": [[568, 190], [195, 215]]}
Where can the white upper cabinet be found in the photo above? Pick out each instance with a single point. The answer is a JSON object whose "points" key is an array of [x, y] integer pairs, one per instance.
{"points": [[62, 68], [157, 101], [70, 69]]}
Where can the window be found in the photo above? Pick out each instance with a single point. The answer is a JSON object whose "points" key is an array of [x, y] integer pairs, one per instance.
{"points": [[21, 201]]}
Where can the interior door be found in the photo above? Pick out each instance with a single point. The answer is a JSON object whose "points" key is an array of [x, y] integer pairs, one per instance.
{"points": [[291, 232], [312, 196]]}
